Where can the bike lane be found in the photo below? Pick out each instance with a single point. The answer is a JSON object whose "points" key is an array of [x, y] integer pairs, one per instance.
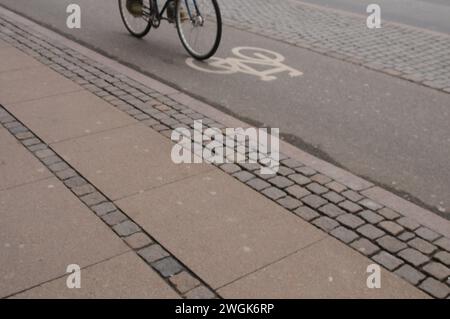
{"points": [[389, 130]]}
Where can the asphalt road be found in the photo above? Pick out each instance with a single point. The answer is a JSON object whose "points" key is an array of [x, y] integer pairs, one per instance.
{"points": [[388, 130], [429, 14]]}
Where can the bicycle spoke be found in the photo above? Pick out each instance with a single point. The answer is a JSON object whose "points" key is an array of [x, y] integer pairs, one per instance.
{"points": [[138, 20], [201, 32]]}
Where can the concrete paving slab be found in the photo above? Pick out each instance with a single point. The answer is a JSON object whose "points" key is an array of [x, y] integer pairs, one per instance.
{"points": [[17, 165], [218, 227], [124, 276], [70, 115], [126, 161], [32, 83], [43, 229], [327, 269], [13, 59]]}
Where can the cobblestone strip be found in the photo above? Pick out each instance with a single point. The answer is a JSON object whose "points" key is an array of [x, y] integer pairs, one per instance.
{"points": [[410, 53], [414, 252], [178, 276]]}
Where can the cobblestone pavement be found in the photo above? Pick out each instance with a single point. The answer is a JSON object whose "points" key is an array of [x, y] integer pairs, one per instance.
{"points": [[416, 55], [400, 244]]}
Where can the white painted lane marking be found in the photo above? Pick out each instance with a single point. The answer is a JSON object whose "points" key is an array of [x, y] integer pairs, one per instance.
{"points": [[245, 61]]}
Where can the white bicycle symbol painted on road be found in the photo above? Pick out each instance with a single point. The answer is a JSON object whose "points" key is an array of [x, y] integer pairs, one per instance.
{"points": [[246, 61]]}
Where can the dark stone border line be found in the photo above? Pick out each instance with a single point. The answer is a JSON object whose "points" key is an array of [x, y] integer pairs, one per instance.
{"points": [[174, 273], [401, 245]]}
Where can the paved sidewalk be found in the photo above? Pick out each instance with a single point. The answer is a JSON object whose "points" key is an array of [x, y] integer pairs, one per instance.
{"points": [[44, 228], [90, 145]]}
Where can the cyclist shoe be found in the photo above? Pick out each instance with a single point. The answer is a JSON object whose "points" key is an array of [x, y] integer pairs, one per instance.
{"points": [[183, 15], [172, 14], [135, 7]]}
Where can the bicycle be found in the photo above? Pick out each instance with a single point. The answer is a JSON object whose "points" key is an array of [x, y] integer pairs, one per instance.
{"points": [[198, 22]]}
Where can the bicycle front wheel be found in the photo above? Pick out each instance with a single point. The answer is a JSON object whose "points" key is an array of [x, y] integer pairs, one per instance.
{"points": [[199, 25], [136, 16]]}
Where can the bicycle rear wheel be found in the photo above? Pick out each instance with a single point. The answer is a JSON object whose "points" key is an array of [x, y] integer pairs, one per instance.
{"points": [[199, 25], [136, 15]]}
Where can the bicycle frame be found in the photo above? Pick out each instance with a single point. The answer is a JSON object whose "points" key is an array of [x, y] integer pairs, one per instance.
{"points": [[185, 16], [160, 14]]}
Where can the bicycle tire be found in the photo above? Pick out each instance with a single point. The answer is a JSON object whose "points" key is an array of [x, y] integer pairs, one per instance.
{"points": [[209, 53], [141, 34]]}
